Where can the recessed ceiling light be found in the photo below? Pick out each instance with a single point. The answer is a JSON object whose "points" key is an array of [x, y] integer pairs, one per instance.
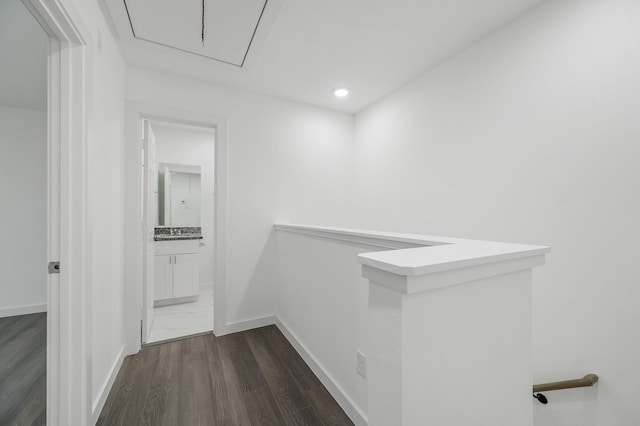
{"points": [[341, 93]]}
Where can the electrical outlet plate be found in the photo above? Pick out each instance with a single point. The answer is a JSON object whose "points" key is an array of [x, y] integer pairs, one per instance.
{"points": [[361, 364]]}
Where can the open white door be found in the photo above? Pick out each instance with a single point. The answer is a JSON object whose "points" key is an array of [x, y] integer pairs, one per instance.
{"points": [[167, 196], [149, 208]]}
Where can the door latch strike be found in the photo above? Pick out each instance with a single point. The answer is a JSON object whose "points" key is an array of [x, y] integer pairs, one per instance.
{"points": [[54, 267]]}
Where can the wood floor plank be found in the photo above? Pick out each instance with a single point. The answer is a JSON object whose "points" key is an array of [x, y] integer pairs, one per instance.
{"points": [[10, 327], [33, 410], [132, 389], [326, 407], [28, 333], [262, 408], [245, 365], [195, 403], [304, 417], [23, 369], [114, 394], [228, 406], [301, 372], [42, 417], [162, 403], [321, 400], [287, 393]]}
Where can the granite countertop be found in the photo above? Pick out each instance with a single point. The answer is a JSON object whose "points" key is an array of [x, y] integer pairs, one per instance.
{"points": [[178, 233]]}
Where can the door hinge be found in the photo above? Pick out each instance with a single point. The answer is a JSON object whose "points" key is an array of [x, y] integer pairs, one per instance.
{"points": [[54, 267]]}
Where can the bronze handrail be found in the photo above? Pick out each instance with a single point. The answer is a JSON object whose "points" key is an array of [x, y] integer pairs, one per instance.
{"points": [[588, 380]]}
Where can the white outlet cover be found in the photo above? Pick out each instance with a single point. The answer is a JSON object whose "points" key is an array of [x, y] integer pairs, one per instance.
{"points": [[361, 364]]}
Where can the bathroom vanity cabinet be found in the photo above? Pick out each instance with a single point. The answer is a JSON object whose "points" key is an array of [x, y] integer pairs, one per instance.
{"points": [[176, 270]]}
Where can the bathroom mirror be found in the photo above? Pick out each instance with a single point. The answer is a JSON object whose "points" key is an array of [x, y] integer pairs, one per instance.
{"points": [[178, 195]]}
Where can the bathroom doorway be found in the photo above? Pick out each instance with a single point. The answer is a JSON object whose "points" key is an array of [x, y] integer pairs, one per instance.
{"points": [[178, 187], [137, 231]]}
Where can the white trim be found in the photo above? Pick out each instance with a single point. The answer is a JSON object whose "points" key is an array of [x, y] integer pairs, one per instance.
{"points": [[69, 304], [375, 241], [23, 310], [250, 324], [206, 285], [428, 255], [347, 404], [415, 284], [103, 393], [174, 301], [148, 243], [53, 245], [135, 111]]}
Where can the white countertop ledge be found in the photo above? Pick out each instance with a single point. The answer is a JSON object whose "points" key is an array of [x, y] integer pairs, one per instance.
{"points": [[427, 255]]}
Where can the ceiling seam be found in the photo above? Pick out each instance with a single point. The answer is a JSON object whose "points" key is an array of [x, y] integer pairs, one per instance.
{"points": [[126, 8], [202, 28], [254, 33]]}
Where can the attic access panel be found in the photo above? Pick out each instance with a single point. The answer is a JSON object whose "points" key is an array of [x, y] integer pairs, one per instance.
{"points": [[217, 29]]}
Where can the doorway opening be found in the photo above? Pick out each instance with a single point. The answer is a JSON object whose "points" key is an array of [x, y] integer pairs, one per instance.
{"points": [[67, 304], [178, 205], [23, 190]]}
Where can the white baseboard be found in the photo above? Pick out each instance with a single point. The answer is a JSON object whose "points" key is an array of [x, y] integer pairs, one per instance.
{"points": [[206, 285], [235, 327], [23, 310], [175, 301], [101, 398], [357, 416]]}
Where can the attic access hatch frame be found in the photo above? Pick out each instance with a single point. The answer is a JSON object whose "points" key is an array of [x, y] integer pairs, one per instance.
{"points": [[210, 35]]}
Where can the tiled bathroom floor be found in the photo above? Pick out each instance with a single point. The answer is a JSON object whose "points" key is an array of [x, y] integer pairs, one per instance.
{"points": [[183, 319]]}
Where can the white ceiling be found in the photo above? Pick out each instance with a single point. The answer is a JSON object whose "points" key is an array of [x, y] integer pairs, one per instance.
{"points": [[23, 49], [303, 49]]}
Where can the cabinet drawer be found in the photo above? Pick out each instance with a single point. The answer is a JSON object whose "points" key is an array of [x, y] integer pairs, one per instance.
{"points": [[176, 247]]}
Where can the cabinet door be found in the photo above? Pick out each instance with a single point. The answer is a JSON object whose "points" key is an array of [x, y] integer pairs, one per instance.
{"points": [[163, 288], [185, 275]]}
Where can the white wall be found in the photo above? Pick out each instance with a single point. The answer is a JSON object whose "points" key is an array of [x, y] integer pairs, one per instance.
{"points": [[23, 215], [23, 162], [285, 162], [532, 136], [105, 189], [23, 49], [323, 302], [184, 145]]}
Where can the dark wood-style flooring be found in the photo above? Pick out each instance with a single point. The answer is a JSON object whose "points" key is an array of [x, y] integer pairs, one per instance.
{"points": [[250, 378], [23, 370]]}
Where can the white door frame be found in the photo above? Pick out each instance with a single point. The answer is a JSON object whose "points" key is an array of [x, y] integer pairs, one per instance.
{"points": [[68, 301], [148, 226], [135, 113]]}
